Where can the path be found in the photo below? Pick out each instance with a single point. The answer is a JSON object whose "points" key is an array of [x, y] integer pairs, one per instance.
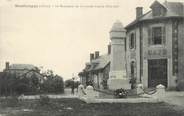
{"points": [[66, 94], [175, 98]]}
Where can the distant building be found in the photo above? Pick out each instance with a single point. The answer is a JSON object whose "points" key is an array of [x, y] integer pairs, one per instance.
{"points": [[96, 72], [23, 70]]}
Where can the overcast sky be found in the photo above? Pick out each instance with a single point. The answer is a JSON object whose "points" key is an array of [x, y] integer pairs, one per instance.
{"points": [[60, 39]]}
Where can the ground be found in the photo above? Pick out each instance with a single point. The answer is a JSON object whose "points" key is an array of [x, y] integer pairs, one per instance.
{"points": [[75, 107], [175, 98], [68, 105]]}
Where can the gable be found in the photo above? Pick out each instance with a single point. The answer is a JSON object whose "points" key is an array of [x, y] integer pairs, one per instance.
{"points": [[158, 9], [157, 4]]}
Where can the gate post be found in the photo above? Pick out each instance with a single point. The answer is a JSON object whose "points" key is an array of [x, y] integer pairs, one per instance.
{"points": [[160, 91]]}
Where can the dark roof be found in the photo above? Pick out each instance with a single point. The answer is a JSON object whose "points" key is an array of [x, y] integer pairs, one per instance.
{"points": [[173, 9], [100, 62], [97, 64], [22, 67]]}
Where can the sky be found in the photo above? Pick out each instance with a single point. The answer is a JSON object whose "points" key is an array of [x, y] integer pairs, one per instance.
{"points": [[60, 38]]}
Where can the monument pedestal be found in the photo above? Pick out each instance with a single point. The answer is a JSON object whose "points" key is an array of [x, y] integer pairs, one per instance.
{"points": [[117, 75], [118, 80]]}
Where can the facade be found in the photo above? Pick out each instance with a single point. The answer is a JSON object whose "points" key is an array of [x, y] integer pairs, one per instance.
{"points": [[96, 72], [155, 52], [152, 52]]}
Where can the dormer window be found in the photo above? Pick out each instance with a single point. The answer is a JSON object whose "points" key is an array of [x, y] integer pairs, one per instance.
{"points": [[158, 9]]}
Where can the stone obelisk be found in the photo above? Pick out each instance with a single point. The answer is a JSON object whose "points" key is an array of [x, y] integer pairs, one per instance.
{"points": [[117, 75]]}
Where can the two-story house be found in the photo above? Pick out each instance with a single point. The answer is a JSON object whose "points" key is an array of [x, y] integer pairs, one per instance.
{"points": [[154, 52], [154, 45]]}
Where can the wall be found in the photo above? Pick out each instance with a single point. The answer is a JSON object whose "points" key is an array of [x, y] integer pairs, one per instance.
{"points": [[159, 51], [181, 54], [133, 54]]}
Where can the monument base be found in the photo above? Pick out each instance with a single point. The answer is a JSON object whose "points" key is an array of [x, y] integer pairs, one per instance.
{"points": [[119, 83], [117, 80]]}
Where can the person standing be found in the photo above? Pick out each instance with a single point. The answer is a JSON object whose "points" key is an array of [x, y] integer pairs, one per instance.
{"points": [[72, 86]]}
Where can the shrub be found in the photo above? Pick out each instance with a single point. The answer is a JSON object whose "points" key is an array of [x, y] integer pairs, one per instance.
{"points": [[52, 85], [120, 93], [180, 85], [12, 101], [133, 82], [44, 100], [104, 84]]}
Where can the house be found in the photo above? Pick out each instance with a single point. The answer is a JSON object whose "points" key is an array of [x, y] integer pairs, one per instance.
{"points": [[23, 70], [155, 52], [149, 50], [96, 72]]}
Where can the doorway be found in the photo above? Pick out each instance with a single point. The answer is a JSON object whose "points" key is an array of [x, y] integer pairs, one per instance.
{"points": [[157, 72]]}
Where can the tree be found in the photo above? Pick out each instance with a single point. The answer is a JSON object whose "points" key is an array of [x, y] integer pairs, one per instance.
{"points": [[59, 84], [68, 83], [30, 82], [53, 83]]}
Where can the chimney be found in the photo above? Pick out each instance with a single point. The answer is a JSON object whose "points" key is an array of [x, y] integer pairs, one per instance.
{"points": [[97, 54], [7, 66], [139, 12], [109, 49], [91, 56]]}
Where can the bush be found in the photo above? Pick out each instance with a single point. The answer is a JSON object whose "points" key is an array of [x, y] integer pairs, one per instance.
{"points": [[21, 88], [53, 85], [12, 101], [104, 84], [44, 100], [120, 93], [180, 85], [47, 104], [133, 82], [70, 83], [31, 82]]}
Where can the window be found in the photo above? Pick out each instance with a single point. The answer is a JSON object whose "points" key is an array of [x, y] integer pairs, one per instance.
{"points": [[132, 67], [157, 11], [132, 40], [156, 35]]}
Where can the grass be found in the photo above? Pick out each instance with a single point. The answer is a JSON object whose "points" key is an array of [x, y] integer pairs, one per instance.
{"points": [[75, 107]]}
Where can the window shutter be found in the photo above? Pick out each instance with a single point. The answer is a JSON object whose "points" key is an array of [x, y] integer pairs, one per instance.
{"points": [[149, 36], [125, 44], [135, 40], [163, 35], [130, 41]]}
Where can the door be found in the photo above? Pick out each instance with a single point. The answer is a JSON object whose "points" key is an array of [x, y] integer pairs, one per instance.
{"points": [[157, 72]]}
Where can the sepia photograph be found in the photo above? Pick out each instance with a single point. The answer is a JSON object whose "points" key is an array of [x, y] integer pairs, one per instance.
{"points": [[91, 57]]}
